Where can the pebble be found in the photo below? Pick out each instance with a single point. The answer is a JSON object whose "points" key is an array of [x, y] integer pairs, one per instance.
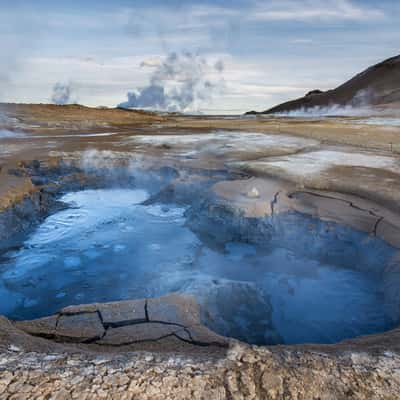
{"points": [[14, 348], [253, 193]]}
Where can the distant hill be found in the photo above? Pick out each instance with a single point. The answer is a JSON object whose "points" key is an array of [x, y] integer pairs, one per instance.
{"points": [[377, 86]]}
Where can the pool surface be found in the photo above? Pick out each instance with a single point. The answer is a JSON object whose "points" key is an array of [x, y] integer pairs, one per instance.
{"points": [[108, 246]]}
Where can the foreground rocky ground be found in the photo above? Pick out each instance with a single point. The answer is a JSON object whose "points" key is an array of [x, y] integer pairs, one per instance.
{"points": [[244, 373], [337, 170], [158, 350]]}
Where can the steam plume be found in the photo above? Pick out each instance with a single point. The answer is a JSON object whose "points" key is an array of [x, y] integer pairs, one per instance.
{"points": [[179, 83], [359, 106], [61, 94]]}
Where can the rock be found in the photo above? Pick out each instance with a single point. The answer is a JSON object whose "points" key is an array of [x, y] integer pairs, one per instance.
{"points": [[202, 335], [314, 92], [245, 303], [112, 313], [123, 311], [184, 335], [176, 309], [100, 360], [272, 384], [253, 193], [79, 309], [61, 395], [80, 327], [14, 348], [138, 333], [40, 327], [39, 180], [76, 380], [243, 372], [127, 322], [391, 282], [17, 172]]}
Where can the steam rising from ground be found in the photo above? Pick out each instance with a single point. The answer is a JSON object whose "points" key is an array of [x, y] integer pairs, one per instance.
{"points": [[7, 134], [359, 106], [380, 121], [62, 94], [9, 127], [178, 84], [93, 159], [333, 110]]}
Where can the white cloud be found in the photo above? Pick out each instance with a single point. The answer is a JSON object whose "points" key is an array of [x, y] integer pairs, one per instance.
{"points": [[248, 83], [105, 52], [301, 41], [306, 10]]}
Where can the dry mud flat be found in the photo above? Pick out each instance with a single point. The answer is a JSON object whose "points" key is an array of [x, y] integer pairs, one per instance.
{"points": [[159, 348]]}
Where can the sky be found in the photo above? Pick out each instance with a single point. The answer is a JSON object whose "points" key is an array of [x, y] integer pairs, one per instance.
{"points": [[212, 56]]}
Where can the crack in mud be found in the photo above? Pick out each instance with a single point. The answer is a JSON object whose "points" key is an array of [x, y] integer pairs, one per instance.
{"points": [[380, 218], [274, 202], [146, 311], [377, 223], [119, 324]]}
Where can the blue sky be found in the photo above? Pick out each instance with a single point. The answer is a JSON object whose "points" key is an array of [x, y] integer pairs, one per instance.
{"points": [[271, 50]]}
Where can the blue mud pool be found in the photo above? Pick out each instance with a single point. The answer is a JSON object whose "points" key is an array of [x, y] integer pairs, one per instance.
{"points": [[107, 246]]}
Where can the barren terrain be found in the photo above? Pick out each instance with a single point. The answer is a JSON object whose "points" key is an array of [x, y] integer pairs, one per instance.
{"points": [[340, 170]]}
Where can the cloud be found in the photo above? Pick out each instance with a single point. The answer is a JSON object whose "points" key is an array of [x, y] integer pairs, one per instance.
{"points": [[179, 83], [301, 41], [90, 46], [196, 17], [307, 10], [14, 47]]}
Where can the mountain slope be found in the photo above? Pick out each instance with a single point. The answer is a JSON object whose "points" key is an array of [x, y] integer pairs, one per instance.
{"points": [[377, 86]]}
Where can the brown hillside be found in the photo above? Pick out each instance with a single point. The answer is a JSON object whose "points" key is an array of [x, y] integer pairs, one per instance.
{"points": [[378, 85]]}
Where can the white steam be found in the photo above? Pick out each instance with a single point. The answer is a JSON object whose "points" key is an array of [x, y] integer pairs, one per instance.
{"points": [[179, 84], [333, 110], [7, 134], [380, 121], [93, 159], [359, 106], [62, 94]]}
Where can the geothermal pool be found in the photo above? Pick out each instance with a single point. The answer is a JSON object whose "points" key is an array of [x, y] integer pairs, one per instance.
{"points": [[107, 245]]}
